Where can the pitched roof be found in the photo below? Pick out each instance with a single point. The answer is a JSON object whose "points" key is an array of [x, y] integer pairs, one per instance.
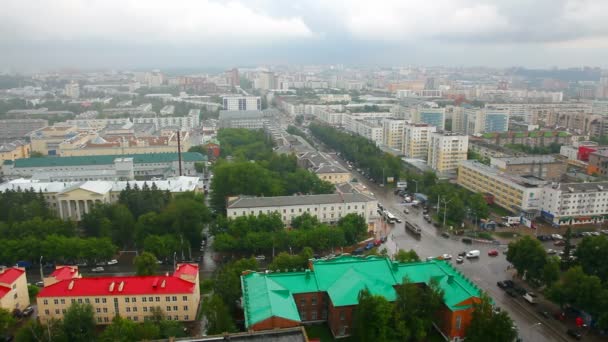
{"points": [[131, 285], [106, 159], [267, 295], [64, 272], [189, 269], [10, 275]]}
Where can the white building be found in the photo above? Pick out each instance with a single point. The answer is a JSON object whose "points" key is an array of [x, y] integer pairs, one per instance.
{"points": [[416, 140], [167, 110], [433, 116], [242, 103], [250, 119], [393, 133], [72, 90], [446, 150], [480, 120], [327, 208], [575, 203]]}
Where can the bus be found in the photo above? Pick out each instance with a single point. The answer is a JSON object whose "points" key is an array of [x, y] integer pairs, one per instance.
{"points": [[390, 218]]}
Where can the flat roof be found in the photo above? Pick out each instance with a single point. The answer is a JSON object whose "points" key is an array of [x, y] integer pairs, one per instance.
{"points": [[529, 159], [277, 201], [148, 158]]}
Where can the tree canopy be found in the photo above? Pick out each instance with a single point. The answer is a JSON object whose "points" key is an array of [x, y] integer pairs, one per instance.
{"points": [[489, 325]]}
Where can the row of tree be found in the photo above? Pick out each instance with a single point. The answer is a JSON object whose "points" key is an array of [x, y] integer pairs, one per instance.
{"points": [[361, 151], [265, 234]]}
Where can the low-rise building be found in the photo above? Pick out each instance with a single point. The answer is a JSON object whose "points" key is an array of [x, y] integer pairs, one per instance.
{"points": [[329, 291], [515, 193], [132, 297], [94, 144], [11, 129], [575, 203], [46, 140], [446, 151], [324, 166], [250, 119], [327, 208], [72, 200], [544, 166], [13, 289], [14, 150]]}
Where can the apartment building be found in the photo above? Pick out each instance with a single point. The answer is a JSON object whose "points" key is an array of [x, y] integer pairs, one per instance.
{"points": [[131, 297], [543, 166], [515, 193], [71, 200], [327, 208], [368, 128], [575, 203], [14, 150], [416, 140], [242, 103], [446, 150], [433, 116], [533, 139], [329, 290], [13, 289], [104, 167], [480, 120], [486, 150], [598, 162], [249, 119], [393, 133], [324, 166]]}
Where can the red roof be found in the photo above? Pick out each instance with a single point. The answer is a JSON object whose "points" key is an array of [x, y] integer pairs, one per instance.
{"points": [[64, 272], [102, 286], [10, 275], [4, 290], [189, 269]]}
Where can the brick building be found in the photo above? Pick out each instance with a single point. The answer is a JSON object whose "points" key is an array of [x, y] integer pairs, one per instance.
{"points": [[329, 289]]}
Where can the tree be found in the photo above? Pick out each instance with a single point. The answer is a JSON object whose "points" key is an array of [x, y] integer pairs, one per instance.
{"points": [[6, 321], [146, 264], [372, 317], [305, 221], [528, 256], [592, 254], [79, 323], [551, 272], [487, 325], [354, 227], [406, 256], [566, 260], [120, 330], [32, 291], [33, 330], [218, 316], [415, 308], [228, 283]]}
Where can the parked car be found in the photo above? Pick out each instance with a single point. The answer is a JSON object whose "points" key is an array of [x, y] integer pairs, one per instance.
{"points": [[551, 251], [358, 251], [545, 314], [473, 254], [511, 292], [39, 283], [574, 333], [529, 298], [113, 262], [492, 252], [98, 269], [557, 237], [377, 242], [559, 243], [260, 257], [398, 220], [519, 290], [462, 254], [543, 237], [459, 260], [467, 240], [503, 284], [445, 235], [405, 211], [27, 311], [445, 257]]}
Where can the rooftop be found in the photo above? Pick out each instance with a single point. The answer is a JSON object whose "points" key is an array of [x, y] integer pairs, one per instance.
{"points": [[64, 272], [524, 182], [148, 158], [537, 159], [267, 295], [241, 114], [583, 187], [252, 202], [9, 275]]}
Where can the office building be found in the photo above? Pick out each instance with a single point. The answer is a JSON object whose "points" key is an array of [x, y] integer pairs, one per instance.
{"points": [[13, 289], [416, 140], [575, 203], [329, 291], [327, 208], [71, 200], [446, 151], [393, 133], [544, 167], [132, 297], [234, 103], [472, 121], [518, 194], [72, 90], [433, 116], [250, 119]]}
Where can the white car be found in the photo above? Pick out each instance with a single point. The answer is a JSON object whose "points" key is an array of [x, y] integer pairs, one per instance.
{"points": [[98, 269], [551, 251], [557, 237], [446, 256], [113, 262], [459, 260], [260, 257]]}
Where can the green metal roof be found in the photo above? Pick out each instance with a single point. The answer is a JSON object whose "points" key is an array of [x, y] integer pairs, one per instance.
{"points": [[267, 295], [107, 159]]}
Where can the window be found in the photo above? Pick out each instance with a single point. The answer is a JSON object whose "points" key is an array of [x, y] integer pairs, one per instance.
{"points": [[158, 299], [185, 317], [46, 302], [56, 301], [174, 298], [98, 319], [458, 322], [342, 315], [86, 300], [133, 300], [63, 301], [103, 300], [135, 309], [167, 299], [106, 319], [144, 299], [105, 310], [57, 311], [96, 300], [185, 298], [128, 309], [313, 301], [150, 299], [126, 299], [73, 301], [168, 308], [176, 317], [135, 318], [46, 311], [175, 308], [98, 310], [145, 309], [313, 315], [185, 307], [63, 311]]}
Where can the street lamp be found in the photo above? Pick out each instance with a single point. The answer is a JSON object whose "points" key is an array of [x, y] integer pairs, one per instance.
{"points": [[41, 274], [445, 210]]}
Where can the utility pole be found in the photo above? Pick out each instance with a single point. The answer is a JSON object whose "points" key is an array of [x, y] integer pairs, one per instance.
{"points": [[445, 210], [179, 152], [41, 274]]}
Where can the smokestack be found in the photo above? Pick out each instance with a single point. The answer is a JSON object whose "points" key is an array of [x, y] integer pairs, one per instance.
{"points": [[179, 152]]}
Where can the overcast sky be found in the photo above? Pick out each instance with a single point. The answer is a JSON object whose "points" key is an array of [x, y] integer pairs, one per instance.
{"points": [[205, 33]]}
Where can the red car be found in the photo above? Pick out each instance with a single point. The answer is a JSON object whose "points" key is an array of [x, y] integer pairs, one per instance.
{"points": [[493, 252], [377, 243]]}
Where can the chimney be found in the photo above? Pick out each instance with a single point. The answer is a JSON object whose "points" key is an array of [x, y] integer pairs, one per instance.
{"points": [[450, 278], [307, 274]]}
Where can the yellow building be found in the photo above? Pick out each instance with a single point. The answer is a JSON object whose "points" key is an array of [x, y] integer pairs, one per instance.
{"points": [[13, 289], [131, 297], [324, 166], [446, 151], [14, 150], [46, 140], [95, 145]]}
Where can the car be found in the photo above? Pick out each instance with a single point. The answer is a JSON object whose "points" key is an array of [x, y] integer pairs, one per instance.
{"points": [[260, 257], [430, 258], [543, 313], [519, 290], [358, 251], [377, 242], [383, 239], [27, 311], [509, 283], [551, 251], [459, 260], [398, 220], [529, 298], [369, 246], [467, 240], [557, 237], [405, 211], [492, 252], [113, 262], [98, 269], [446, 257], [543, 237], [445, 235], [574, 333], [462, 254], [559, 243], [595, 233], [511, 292], [502, 284], [473, 254], [39, 284]]}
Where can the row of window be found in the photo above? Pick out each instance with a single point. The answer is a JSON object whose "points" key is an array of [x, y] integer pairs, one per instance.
{"points": [[103, 300]]}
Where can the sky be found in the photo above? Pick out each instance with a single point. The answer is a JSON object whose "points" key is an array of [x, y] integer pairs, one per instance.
{"points": [[46, 34]]}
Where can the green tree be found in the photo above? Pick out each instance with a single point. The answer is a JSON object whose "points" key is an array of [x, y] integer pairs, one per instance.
{"points": [[32, 291], [551, 271], [120, 330], [372, 317], [145, 264], [487, 325], [354, 227], [592, 254], [228, 283], [406, 256], [6, 321], [305, 221], [218, 316], [79, 323], [566, 259], [415, 308], [33, 330], [528, 256]]}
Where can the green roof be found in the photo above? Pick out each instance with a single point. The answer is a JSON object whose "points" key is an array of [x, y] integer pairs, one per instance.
{"points": [[107, 159], [267, 295]]}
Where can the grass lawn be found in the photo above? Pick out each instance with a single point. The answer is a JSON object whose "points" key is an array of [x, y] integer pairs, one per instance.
{"points": [[321, 331]]}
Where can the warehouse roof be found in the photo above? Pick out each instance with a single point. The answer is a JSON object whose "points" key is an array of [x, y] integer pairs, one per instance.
{"points": [[105, 160]]}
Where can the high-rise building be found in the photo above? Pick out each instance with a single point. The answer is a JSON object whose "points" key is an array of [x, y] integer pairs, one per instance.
{"points": [[232, 77], [242, 103], [480, 120], [393, 133], [446, 150], [266, 80], [72, 90], [433, 116], [416, 140], [154, 78]]}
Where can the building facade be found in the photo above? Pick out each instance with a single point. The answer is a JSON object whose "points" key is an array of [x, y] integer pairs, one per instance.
{"points": [[13, 289], [328, 291], [433, 116], [242, 102], [447, 150], [324, 166], [416, 140], [132, 297], [249, 119], [17, 149], [327, 208], [575, 203], [544, 167], [393, 133]]}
